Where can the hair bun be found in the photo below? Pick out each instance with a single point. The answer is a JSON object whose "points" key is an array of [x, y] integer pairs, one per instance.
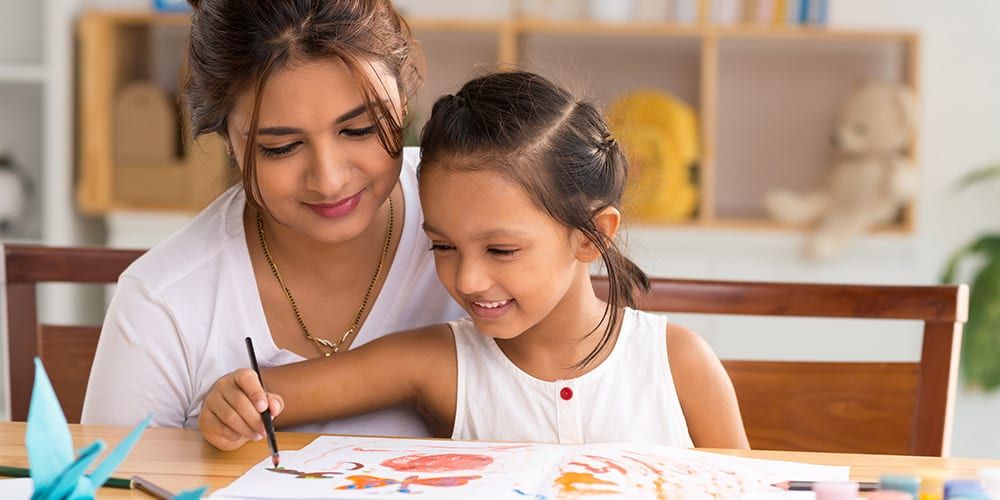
{"points": [[195, 4]]}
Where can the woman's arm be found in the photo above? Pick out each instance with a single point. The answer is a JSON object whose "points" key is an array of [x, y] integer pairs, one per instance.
{"points": [[416, 367], [141, 364], [705, 391]]}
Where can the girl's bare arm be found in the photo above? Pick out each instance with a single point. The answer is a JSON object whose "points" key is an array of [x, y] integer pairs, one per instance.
{"points": [[705, 391], [416, 367]]}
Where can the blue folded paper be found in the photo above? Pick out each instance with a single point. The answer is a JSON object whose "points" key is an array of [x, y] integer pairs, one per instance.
{"points": [[57, 472]]}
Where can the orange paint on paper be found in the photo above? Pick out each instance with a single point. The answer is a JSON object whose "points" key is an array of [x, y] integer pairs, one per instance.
{"points": [[660, 493], [366, 482], [363, 482], [569, 481]]}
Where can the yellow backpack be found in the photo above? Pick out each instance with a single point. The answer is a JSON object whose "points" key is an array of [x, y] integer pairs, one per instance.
{"points": [[659, 135]]}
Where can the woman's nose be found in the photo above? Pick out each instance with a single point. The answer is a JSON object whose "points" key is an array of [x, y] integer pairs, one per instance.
{"points": [[329, 171]]}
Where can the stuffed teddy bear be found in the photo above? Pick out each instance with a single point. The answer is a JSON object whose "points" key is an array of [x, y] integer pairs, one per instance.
{"points": [[871, 177]]}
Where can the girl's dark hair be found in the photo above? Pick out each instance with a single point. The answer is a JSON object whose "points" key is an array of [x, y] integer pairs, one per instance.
{"points": [[235, 45], [556, 147]]}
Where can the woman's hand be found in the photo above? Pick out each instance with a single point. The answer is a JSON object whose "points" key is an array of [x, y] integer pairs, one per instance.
{"points": [[230, 414]]}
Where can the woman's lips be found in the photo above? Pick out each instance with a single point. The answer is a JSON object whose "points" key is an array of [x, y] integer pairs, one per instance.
{"points": [[338, 209]]}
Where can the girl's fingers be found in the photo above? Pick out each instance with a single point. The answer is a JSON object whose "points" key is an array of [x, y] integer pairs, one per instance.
{"points": [[248, 382]]}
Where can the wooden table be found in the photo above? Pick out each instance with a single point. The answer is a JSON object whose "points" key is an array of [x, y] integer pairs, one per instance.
{"points": [[179, 459]]}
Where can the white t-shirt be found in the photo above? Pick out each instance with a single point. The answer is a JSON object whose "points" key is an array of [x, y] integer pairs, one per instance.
{"points": [[180, 313], [629, 397]]}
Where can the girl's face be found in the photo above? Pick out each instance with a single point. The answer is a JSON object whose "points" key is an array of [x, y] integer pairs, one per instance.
{"points": [[320, 166], [506, 262]]}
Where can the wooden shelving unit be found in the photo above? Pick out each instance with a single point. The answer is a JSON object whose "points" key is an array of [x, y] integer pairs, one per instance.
{"points": [[116, 50], [766, 96], [722, 71]]}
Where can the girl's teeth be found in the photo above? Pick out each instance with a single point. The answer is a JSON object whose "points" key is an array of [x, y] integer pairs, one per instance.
{"points": [[492, 305]]}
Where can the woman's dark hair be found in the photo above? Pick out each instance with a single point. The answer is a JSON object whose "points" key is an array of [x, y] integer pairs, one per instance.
{"points": [[556, 147], [235, 45]]}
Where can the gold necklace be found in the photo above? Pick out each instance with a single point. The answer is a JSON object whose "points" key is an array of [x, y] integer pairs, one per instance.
{"points": [[323, 343]]}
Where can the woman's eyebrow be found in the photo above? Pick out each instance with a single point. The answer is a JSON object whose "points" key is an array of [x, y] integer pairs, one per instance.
{"points": [[277, 131], [351, 114]]}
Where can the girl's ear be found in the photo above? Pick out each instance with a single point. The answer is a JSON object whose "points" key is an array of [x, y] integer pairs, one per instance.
{"points": [[607, 222]]}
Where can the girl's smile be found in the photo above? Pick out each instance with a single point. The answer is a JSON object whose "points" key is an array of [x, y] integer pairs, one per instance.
{"points": [[490, 309]]}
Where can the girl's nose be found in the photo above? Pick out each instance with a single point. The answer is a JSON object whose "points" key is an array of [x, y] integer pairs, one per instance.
{"points": [[471, 278]]}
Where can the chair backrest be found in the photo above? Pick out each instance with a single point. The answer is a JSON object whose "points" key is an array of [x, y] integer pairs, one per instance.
{"points": [[67, 351], [889, 408], [893, 408]]}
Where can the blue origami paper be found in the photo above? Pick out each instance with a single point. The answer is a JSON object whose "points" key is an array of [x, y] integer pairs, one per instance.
{"points": [[57, 472]]}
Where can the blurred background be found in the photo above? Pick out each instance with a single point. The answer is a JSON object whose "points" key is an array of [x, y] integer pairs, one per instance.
{"points": [[727, 109]]}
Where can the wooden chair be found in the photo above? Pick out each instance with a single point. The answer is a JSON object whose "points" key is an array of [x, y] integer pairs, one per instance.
{"points": [[889, 408], [67, 351], [894, 408]]}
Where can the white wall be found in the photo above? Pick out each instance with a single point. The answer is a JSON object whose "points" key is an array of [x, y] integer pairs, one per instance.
{"points": [[960, 74]]}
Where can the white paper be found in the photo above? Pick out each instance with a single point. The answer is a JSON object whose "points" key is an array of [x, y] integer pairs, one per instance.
{"points": [[354, 467], [17, 489]]}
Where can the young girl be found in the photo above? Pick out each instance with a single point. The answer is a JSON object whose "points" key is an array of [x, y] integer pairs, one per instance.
{"points": [[319, 248], [520, 185]]}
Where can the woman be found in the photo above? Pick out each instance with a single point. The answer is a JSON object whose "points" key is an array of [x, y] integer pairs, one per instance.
{"points": [[319, 249]]}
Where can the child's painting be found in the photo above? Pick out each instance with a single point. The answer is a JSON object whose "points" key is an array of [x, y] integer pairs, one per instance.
{"points": [[354, 467]]}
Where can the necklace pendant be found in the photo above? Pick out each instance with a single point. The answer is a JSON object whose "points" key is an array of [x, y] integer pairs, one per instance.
{"points": [[327, 354], [325, 343]]}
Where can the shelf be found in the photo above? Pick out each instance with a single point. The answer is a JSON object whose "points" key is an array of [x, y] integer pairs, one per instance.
{"points": [[139, 17], [581, 27], [772, 226], [19, 239], [766, 96], [21, 73], [453, 25]]}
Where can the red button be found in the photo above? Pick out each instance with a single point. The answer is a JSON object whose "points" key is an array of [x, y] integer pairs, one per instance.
{"points": [[566, 393]]}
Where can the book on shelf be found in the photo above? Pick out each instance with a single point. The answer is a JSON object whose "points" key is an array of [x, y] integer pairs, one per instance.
{"points": [[747, 12]]}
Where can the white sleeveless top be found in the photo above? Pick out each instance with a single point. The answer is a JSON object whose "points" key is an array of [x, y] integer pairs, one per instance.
{"points": [[180, 313], [629, 397]]}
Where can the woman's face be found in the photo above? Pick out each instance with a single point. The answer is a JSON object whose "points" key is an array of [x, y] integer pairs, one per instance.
{"points": [[320, 166]]}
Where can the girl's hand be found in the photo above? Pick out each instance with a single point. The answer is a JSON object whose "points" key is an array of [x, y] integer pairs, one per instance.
{"points": [[230, 414]]}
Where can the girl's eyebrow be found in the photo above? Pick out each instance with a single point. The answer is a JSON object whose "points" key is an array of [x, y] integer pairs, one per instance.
{"points": [[485, 235], [499, 233]]}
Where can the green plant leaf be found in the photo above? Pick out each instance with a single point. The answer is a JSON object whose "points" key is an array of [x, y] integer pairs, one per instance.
{"points": [[989, 244], [977, 176], [981, 342]]}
